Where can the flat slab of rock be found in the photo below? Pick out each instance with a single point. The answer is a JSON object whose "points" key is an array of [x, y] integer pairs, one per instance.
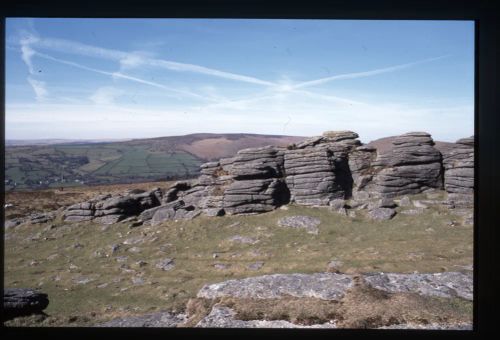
{"points": [[23, 301], [310, 224], [332, 286], [162, 319], [326, 286], [224, 317], [446, 284]]}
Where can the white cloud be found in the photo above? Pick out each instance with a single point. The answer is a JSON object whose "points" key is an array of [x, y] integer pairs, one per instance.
{"points": [[38, 86], [106, 95]]}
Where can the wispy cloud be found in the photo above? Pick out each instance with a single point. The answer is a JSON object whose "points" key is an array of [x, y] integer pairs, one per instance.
{"points": [[38, 86], [27, 52], [106, 95]]}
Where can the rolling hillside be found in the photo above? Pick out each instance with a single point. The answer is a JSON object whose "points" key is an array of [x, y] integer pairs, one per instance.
{"points": [[139, 160]]}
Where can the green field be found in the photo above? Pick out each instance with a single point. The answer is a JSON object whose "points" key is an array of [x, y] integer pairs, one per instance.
{"points": [[31, 167]]}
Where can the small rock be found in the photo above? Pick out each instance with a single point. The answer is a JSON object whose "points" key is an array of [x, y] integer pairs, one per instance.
{"points": [[137, 281], [256, 265], [115, 247], [419, 204], [412, 211], [243, 239], [121, 259], [382, 214], [134, 250], [165, 264], [221, 266], [310, 224]]}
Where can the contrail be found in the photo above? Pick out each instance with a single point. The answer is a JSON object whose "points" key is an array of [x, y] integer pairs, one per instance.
{"points": [[68, 46], [365, 73], [123, 76]]}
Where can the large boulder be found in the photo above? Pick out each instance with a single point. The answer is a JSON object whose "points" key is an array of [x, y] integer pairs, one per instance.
{"points": [[23, 301], [411, 165]]}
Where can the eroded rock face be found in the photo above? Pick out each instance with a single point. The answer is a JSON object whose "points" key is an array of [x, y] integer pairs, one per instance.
{"points": [[410, 166], [107, 209], [458, 162], [317, 170], [23, 301]]}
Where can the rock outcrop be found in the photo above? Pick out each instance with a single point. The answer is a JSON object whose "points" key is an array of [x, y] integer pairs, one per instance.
{"points": [[325, 170], [23, 301], [107, 209]]}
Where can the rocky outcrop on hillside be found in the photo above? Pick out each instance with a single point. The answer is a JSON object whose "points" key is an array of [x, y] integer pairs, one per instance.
{"points": [[107, 209], [319, 171]]}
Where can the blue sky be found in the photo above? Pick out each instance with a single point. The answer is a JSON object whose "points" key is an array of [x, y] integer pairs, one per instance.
{"points": [[137, 78]]}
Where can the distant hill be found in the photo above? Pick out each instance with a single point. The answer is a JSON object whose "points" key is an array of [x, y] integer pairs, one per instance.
{"points": [[56, 163], [27, 142]]}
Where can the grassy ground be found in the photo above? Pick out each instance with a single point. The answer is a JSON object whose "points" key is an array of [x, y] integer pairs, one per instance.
{"points": [[87, 282]]}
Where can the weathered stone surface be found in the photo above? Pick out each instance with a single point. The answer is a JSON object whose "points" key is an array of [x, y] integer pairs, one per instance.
{"points": [[161, 319], [458, 162], [446, 284], [411, 165], [109, 209], [326, 286], [382, 214], [23, 301], [225, 317], [310, 224]]}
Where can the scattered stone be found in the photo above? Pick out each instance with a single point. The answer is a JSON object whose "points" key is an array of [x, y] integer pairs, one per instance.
{"points": [[122, 258], [138, 281], [134, 250], [23, 301], [82, 280], [255, 265], [12, 223], [382, 214], [310, 224], [165, 264], [221, 266], [243, 239], [160, 319], [420, 204], [412, 211]]}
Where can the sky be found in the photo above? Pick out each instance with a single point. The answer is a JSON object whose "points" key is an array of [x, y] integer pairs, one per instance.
{"points": [[141, 78]]}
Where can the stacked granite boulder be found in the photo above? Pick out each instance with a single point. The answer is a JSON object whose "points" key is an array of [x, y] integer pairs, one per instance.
{"points": [[317, 170], [108, 209], [412, 165], [256, 183]]}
